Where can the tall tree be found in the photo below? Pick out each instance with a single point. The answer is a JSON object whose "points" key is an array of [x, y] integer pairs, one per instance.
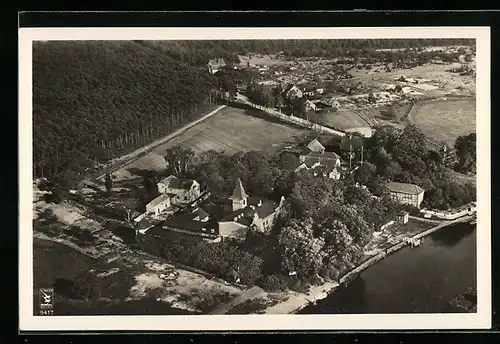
{"points": [[108, 182], [466, 152], [178, 159]]}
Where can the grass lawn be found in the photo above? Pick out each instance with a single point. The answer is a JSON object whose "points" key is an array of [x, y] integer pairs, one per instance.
{"points": [[231, 130], [444, 121], [342, 120]]}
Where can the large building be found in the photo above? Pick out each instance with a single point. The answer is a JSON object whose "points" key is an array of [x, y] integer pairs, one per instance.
{"points": [[407, 193], [242, 212]]}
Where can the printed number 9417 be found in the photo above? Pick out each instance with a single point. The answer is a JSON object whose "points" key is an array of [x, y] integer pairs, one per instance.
{"points": [[47, 312]]}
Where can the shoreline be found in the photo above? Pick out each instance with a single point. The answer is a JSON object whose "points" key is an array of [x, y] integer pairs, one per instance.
{"points": [[298, 301]]}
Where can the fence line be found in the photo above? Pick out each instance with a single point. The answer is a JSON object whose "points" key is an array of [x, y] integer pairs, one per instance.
{"points": [[295, 120]]}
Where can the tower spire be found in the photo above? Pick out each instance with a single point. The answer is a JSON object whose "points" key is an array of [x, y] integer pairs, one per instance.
{"points": [[239, 191]]}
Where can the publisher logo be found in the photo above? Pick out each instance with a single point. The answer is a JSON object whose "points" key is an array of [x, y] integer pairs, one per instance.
{"points": [[46, 298]]}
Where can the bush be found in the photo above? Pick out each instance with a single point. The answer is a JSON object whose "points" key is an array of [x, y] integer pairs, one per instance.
{"points": [[329, 272], [299, 286], [273, 283], [208, 299], [250, 306]]}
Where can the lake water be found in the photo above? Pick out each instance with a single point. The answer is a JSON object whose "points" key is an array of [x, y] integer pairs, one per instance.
{"points": [[413, 280]]}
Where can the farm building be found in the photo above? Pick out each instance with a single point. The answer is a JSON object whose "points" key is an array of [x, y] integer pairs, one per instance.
{"points": [[316, 153], [215, 65], [293, 92], [329, 169], [159, 204], [407, 193], [182, 191], [193, 222], [243, 212]]}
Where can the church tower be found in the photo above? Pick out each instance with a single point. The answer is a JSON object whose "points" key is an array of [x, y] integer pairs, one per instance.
{"points": [[239, 196]]}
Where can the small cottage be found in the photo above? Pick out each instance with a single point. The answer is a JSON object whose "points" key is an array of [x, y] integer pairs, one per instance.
{"points": [[402, 217]]}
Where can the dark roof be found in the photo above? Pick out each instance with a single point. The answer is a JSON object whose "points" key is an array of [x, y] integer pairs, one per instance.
{"points": [[179, 236], [355, 141], [253, 201], [323, 156], [239, 192], [325, 168], [177, 183], [198, 212], [143, 224], [266, 209], [402, 213], [185, 222], [405, 188], [246, 214]]}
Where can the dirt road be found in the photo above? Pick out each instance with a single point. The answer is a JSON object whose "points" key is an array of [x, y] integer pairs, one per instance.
{"points": [[128, 158]]}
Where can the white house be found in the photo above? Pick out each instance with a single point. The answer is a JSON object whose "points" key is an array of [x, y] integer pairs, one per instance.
{"points": [[158, 205], [310, 106], [181, 191]]}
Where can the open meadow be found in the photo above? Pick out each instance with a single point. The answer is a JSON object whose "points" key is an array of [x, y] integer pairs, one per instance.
{"points": [[231, 130], [342, 120], [444, 121]]}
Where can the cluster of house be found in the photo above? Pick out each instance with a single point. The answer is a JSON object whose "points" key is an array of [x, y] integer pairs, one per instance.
{"points": [[320, 162], [178, 213]]}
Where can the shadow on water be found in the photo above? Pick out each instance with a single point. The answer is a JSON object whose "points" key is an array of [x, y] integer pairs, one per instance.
{"points": [[452, 235], [351, 298]]}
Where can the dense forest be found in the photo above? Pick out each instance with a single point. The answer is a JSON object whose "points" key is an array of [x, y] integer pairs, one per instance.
{"points": [[198, 52], [95, 100]]}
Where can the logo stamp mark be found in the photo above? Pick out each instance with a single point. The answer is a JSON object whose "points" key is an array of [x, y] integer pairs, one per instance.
{"points": [[46, 298]]}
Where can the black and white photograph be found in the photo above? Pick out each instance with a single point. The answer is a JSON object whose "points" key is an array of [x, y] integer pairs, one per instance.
{"points": [[308, 179]]}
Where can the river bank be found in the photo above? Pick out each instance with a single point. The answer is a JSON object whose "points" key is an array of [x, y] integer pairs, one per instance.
{"points": [[295, 302]]}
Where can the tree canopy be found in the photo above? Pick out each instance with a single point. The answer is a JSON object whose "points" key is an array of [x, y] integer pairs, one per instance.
{"points": [[94, 100]]}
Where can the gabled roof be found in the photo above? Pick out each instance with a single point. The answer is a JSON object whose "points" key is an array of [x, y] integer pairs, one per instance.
{"points": [[200, 213], [217, 62], [239, 192], [244, 216], [267, 208], [185, 222], [315, 146], [405, 188], [177, 183], [318, 156], [158, 200]]}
